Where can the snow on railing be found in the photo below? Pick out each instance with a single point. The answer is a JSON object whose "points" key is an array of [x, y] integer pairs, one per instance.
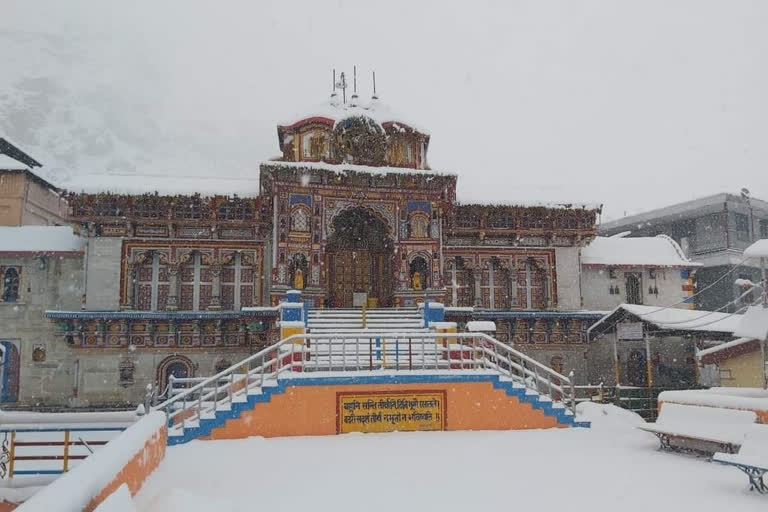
{"points": [[190, 399]]}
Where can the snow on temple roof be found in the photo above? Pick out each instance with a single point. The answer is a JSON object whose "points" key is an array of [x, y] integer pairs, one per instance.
{"points": [[39, 239], [565, 205], [336, 111], [166, 185], [758, 249], [657, 251], [11, 164], [356, 168]]}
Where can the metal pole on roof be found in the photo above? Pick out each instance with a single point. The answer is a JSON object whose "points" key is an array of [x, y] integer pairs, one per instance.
{"points": [[616, 372], [763, 262], [648, 362]]}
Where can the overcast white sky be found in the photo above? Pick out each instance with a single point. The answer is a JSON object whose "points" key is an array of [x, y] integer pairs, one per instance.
{"points": [[633, 104]]}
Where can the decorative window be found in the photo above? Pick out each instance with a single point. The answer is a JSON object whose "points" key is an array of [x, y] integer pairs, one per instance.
{"points": [[502, 221], [107, 206], [532, 221], [10, 283], [468, 221], [151, 281], [300, 220], [126, 369], [401, 153], [314, 145], [495, 285], [191, 208], [237, 282], [196, 283], [419, 227], [151, 208], [533, 285], [725, 374], [567, 222], [235, 209]]}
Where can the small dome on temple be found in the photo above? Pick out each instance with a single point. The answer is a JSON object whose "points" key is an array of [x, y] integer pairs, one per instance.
{"points": [[316, 136]]}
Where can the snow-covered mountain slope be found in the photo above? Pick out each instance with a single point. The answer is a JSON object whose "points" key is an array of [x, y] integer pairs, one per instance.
{"points": [[88, 106]]}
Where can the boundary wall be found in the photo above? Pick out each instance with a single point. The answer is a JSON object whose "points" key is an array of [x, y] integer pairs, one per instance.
{"points": [[128, 459]]}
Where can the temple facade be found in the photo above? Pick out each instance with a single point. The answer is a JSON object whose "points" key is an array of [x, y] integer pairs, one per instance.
{"points": [[184, 282]]}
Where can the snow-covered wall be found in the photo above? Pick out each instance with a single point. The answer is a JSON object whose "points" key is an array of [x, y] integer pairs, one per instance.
{"points": [[596, 283], [103, 287], [128, 459]]}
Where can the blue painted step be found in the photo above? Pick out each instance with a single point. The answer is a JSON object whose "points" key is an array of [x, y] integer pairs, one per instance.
{"points": [[207, 425]]}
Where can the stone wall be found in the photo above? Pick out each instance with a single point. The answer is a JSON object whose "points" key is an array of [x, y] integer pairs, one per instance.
{"points": [[567, 272], [56, 286], [103, 287]]}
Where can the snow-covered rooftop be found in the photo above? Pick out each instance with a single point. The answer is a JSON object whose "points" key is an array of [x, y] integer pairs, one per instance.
{"points": [[658, 251], [758, 249], [135, 184], [39, 239], [357, 168], [754, 323], [336, 110], [674, 319], [566, 205], [11, 164], [723, 346]]}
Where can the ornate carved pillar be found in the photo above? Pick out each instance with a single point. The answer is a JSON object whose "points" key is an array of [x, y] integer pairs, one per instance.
{"points": [[477, 279], [173, 287], [215, 287], [130, 283]]}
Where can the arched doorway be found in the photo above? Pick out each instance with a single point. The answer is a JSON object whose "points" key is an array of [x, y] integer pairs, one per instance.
{"points": [[359, 255], [178, 366]]}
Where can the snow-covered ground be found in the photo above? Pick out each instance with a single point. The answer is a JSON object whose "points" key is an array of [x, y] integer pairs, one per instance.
{"points": [[607, 468]]}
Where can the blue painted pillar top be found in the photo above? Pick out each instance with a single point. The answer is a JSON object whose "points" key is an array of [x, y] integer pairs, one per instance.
{"points": [[292, 309], [433, 312]]}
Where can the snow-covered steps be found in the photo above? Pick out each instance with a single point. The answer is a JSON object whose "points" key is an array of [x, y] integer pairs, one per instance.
{"points": [[350, 320]]}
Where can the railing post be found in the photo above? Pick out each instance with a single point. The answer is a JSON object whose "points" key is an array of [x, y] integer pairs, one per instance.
{"points": [[216, 395], [65, 466], [231, 387], [12, 453], [200, 404]]}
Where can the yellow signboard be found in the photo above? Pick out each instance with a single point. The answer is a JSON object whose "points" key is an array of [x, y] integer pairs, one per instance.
{"points": [[390, 411]]}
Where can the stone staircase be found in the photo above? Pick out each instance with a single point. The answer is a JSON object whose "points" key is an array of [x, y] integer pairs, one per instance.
{"points": [[341, 321]]}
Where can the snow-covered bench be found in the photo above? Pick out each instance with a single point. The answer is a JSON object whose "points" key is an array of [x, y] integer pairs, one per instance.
{"points": [[752, 458], [701, 429]]}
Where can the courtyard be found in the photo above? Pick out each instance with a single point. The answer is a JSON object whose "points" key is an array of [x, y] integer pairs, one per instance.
{"points": [[608, 467]]}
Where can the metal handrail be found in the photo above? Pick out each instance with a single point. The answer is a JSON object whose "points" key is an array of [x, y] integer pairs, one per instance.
{"points": [[270, 363]]}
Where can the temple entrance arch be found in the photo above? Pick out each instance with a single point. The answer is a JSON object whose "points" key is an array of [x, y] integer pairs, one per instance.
{"points": [[359, 255]]}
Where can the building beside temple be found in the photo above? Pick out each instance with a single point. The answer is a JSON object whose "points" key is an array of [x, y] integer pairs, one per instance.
{"points": [[26, 198], [712, 231]]}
